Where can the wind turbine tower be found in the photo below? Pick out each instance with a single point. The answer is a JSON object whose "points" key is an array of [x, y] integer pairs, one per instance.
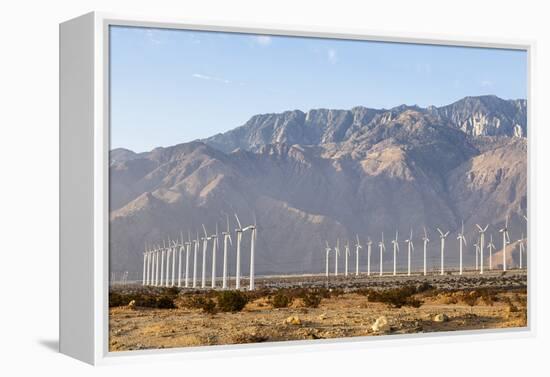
{"points": [[426, 240], [346, 254], [253, 237], [395, 243], [357, 247], [327, 251], [205, 240], [461, 240], [481, 245], [410, 249], [226, 238], [239, 232], [336, 254], [214, 251], [187, 252], [369, 249], [196, 242], [442, 237], [505, 241]]}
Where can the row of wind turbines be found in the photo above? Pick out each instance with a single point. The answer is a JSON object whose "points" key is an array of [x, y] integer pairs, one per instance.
{"points": [[159, 262], [479, 250]]}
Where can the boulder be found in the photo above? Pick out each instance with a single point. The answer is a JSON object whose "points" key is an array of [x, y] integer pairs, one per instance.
{"points": [[442, 317], [381, 325], [293, 320]]}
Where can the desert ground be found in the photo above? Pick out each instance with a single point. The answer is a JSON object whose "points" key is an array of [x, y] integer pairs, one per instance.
{"points": [[310, 307]]}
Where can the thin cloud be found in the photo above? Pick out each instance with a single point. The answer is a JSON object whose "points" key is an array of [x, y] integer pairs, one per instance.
{"points": [[210, 78], [332, 56], [263, 40], [486, 83], [153, 37]]}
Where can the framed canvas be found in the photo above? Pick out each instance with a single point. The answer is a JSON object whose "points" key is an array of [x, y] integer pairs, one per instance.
{"points": [[244, 188]]}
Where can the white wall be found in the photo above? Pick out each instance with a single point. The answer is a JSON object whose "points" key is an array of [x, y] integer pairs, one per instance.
{"points": [[29, 189]]}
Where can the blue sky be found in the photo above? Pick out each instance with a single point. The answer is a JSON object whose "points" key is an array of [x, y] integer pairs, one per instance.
{"points": [[172, 86]]}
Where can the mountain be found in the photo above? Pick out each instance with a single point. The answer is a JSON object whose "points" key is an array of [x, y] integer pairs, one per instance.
{"points": [[328, 174], [477, 116]]}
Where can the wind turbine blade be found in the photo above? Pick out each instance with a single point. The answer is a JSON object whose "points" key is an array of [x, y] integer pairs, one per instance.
{"points": [[464, 239], [440, 232], [205, 233], [446, 234], [411, 236], [238, 222], [357, 236], [480, 228], [227, 218], [326, 243], [462, 227]]}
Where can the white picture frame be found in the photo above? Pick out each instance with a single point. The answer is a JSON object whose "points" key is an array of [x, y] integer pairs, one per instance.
{"points": [[84, 148]]}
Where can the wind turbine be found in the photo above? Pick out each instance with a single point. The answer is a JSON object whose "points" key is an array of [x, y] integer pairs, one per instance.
{"points": [[410, 249], [461, 240], [477, 256], [505, 240], [346, 254], [187, 252], [215, 244], [205, 240], [521, 251], [369, 249], [442, 236], [491, 246], [226, 237], [426, 240], [162, 263], [196, 242], [144, 265], [239, 232], [357, 247], [327, 251], [173, 254], [253, 237], [336, 254], [382, 247], [481, 245], [395, 243], [157, 265], [181, 248]]}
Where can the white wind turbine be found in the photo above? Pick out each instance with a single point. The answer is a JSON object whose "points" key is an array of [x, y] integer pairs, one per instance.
{"points": [[148, 266], [157, 265], [204, 240], [461, 240], [442, 236], [226, 238], [187, 252], [410, 249], [491, 246], [181, 249], [327, 251], [357, 247], [215, 244], [162, 263], [173, 253], [395, 243], [336, 254], [426, 240], [521, 251], [144, 266], [196, 242], [505, 241], [476, 245], [382, 247], [481, 245], [239, 232], [346, 254], [253, 237], [369, 249]]}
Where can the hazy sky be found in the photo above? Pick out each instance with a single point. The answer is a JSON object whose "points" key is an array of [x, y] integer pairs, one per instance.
{"points": [[173, 86]]}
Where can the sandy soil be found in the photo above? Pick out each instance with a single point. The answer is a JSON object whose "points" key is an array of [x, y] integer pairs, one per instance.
{"points": [[348, 315]]}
